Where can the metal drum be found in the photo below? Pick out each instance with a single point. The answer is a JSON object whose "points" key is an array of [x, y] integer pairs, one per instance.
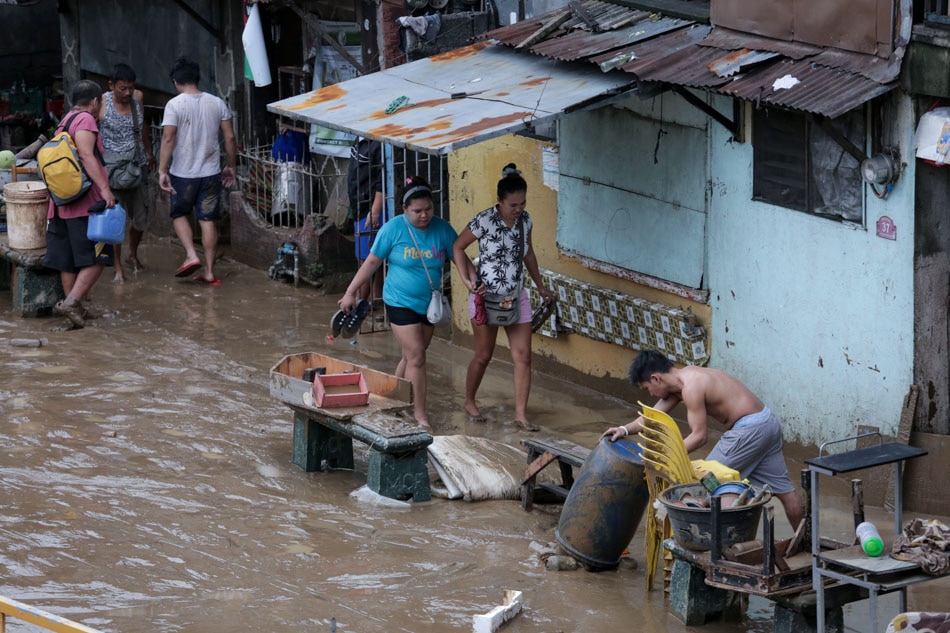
{"points": [[604, 507]]}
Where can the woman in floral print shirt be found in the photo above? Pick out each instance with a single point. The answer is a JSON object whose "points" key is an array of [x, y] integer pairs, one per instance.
{"points": [[503, 233]]}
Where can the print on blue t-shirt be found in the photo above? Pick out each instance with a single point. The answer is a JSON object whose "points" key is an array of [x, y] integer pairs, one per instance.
{"points": [[406, 284]]}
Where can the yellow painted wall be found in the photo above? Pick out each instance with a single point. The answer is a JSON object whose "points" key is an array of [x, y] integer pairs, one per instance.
{"points": [[474, 172]]}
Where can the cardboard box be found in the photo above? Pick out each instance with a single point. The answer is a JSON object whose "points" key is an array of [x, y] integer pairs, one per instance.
{"points": [[386, 392], [340, 390]]}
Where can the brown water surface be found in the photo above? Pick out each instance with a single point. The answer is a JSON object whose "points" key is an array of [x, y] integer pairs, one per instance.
{"points": [[148, 483]]}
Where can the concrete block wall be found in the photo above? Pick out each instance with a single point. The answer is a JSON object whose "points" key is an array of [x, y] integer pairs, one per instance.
{"points": [[319, 242]]}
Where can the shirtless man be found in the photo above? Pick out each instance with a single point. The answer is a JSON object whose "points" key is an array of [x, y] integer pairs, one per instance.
{"points": [[752, 443]]}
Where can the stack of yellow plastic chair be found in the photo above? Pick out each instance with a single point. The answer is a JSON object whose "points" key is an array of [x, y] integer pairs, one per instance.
{"points": [[666, 463]]}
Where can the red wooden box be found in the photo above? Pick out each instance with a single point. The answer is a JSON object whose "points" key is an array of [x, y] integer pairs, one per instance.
{"points": [[340, 390]]}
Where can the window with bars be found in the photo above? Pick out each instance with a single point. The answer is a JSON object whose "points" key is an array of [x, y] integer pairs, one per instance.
{"points": [[797, 165]]}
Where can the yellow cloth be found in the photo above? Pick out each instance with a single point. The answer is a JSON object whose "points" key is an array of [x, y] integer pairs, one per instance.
{"points": [[722, 472]]}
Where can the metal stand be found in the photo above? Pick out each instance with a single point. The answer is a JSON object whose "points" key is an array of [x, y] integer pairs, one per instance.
{"points": [[851, 565]]}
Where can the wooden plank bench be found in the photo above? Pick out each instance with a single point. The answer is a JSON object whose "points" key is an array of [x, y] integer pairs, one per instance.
{"points": [[323, 437], [35, 288], [541, 453]]}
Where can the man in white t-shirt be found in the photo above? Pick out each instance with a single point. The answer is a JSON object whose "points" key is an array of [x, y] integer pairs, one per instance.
{"points": [[189, 165]]}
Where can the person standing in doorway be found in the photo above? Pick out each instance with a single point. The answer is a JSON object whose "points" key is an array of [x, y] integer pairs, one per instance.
{"points": [[364, 181], [505, 250], [126, 136], [190, 165], [68, 250]]}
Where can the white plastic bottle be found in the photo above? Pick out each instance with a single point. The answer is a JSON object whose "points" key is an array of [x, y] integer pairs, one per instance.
{"points": [[870, 539]]}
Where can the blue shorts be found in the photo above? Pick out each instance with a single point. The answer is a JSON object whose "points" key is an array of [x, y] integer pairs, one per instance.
{"points": [[201, 196], [365, 235]]}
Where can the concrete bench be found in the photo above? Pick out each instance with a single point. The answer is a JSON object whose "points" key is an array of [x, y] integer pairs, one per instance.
{"points": [[398, 461], [35, 288], [323, 437]]}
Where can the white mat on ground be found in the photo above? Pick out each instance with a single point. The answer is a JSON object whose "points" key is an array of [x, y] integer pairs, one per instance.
{"points": [[476, 468]]}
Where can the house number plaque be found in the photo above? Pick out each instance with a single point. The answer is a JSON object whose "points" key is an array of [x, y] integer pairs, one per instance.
{"points": [[886, 228]]}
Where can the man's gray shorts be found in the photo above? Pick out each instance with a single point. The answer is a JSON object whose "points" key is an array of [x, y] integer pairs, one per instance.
{"points": [[756, 452]]}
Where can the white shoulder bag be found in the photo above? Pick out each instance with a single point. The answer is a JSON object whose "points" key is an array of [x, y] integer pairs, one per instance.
{"points": [[439, 311]]}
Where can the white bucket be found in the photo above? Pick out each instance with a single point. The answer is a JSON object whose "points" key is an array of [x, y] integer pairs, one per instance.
{"points": [[27, 206]]}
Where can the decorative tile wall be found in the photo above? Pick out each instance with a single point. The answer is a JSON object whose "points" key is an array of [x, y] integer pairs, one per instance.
{"points": [[625, 320]]}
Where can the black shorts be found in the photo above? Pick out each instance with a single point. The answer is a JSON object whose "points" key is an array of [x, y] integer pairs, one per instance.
{"points": [[405, 316], [68, 249]]}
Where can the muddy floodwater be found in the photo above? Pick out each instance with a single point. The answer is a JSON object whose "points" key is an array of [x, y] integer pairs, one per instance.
{"points": [[148, 483]]}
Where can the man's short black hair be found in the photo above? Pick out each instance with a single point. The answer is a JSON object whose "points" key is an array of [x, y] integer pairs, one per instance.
{"points": [[122, 72], [84, 92], [647, 363], [185, 72]]}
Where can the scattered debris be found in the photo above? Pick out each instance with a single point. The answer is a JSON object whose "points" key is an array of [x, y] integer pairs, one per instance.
{"points": [[785, 82], [365, 495], [561, 563], [28, 342], [492, 621]]}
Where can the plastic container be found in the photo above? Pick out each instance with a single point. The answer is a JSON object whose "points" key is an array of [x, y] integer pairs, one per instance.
{"points": [[732, 487], [605, 505], [730, 492], [108, 226], [692, 527], [870, 539], [27, 207], [340, 390]]}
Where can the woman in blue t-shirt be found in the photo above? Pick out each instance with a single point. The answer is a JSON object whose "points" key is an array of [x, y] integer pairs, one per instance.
{"points": [[413, 244]]}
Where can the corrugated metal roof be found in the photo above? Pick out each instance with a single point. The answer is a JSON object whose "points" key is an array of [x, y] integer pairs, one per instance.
{"points": [[646, 53], [584, 44], [811, 87], [873, 67], [497, 91], [680, 52]]}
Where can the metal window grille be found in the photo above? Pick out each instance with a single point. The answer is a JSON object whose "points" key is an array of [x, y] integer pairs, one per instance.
{"points": [[284, 193], [937, 12]]}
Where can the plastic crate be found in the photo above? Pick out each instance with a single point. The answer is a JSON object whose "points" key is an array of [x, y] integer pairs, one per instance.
{"points": [[340, 390]]}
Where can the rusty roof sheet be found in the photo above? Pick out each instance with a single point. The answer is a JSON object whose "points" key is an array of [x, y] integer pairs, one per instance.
{"points": [[457, 98], [734, 40], [582, 44], [680, 52], [645, 53], [796, 84], [604, 17], [873, 67]]}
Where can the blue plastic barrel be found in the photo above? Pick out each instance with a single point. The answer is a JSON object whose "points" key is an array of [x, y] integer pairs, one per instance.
{"points": [[605, 505]]}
